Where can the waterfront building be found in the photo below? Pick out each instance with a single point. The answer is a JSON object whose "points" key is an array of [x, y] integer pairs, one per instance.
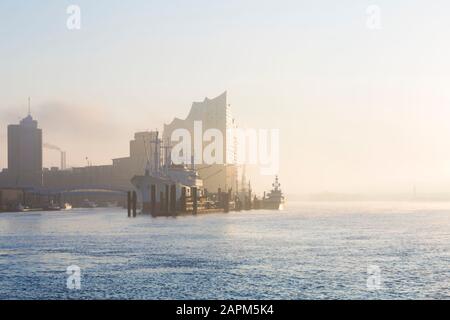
{"points": [[213, 114], [148, 150]]}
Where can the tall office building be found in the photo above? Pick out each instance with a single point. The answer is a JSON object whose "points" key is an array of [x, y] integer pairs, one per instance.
{"points": [[25, 153]]}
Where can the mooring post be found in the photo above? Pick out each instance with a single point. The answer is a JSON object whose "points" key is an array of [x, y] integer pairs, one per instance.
{"points": [[194, 199], [129, 203], [226, 202], [183, 200], [219, 197], [161, 201], [153, 199], [166, 199], [173, 198], [134, 204]]}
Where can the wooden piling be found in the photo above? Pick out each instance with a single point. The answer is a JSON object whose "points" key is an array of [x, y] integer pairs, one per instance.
{"points": [[134, 200], [129, 203], [153, 199], [173, 198], [226, 206], [183, 200], [166, 200], [194, 199]]}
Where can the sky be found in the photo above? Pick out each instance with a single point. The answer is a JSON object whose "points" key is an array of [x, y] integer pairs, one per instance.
{"points": [[360, 110]]}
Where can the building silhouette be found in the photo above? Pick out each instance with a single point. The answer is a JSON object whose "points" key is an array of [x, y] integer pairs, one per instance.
{"points": [[147, 149], [214, 114], [25, 154], [115, 176]]}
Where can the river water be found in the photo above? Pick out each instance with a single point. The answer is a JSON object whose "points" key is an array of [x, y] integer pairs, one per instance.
{"points": [[309, 251]]}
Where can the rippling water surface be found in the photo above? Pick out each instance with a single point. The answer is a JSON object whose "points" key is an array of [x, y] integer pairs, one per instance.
{"points": [[308, 251]]}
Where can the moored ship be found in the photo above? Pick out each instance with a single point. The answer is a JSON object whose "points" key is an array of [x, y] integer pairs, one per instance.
{"points": [[275, 198]]}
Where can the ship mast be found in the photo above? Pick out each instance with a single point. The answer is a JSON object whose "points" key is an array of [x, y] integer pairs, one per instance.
{"points": [[276, 184], [29, 106]]}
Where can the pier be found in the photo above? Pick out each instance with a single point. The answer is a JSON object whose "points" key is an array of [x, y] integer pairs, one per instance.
{"points": [[189, 202]]}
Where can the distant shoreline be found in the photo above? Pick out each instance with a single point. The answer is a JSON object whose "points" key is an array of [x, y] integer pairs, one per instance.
{"points": [[343, 197]]}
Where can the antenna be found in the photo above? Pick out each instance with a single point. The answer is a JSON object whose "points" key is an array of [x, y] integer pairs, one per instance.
{"points": [[147, 165], [145, 148], [29, 106]]}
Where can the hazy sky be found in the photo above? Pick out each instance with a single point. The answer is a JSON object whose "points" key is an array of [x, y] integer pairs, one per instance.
{"points": [[359, 110]]}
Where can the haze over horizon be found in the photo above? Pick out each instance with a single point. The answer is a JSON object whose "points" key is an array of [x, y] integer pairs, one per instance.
{"points": [[359, 110]]}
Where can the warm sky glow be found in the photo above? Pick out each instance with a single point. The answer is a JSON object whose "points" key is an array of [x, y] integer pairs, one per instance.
{"points": [[359, 110]]}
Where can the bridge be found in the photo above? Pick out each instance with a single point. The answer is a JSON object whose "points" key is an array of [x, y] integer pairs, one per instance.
{"points": [[79, 189]]}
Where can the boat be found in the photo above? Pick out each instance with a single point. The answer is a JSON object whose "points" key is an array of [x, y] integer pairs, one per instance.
{"points": [[179, 177], [67, 206], [52, 207], [21, 208], [275, 198], [88, 204]]}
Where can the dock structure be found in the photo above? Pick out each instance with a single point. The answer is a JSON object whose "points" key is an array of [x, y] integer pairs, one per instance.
{"points": [[189, 200], [162, 197], [166, 189]]}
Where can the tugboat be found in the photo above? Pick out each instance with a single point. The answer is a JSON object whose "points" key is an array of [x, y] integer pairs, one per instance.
{"points": [[66, 206], [275, 199]]}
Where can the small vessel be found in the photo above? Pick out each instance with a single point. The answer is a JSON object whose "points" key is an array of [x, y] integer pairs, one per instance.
{"points": [[66, 206], [88, 204], [179, 177], [21, 208], [275, 198], [52, 207]]}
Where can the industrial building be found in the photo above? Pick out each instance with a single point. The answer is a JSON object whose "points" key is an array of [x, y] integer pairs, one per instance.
{"points": [[115, 176]]}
